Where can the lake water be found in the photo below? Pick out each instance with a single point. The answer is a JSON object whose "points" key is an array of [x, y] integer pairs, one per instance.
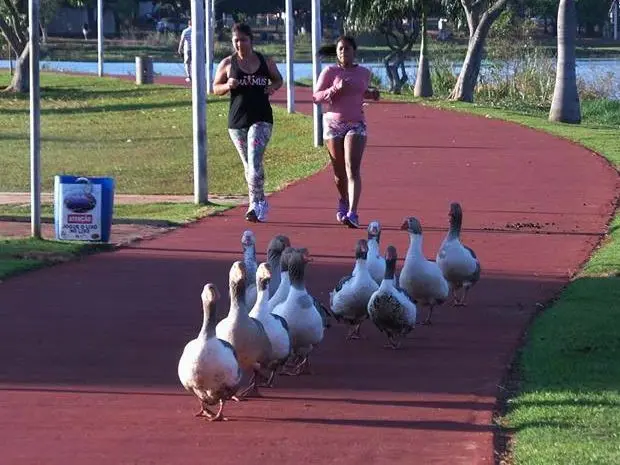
{"points": [[590, 69]]}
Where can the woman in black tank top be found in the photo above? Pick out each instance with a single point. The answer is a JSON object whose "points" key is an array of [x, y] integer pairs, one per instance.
{"points": [[250, 78]]}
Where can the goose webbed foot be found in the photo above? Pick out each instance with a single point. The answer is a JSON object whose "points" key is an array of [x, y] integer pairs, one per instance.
{"points": [[252, 389], [269, 382], [354, 334], [460, 302], [302, 368], [204, 412], [428, 318], [392, 343], [219, 416]]}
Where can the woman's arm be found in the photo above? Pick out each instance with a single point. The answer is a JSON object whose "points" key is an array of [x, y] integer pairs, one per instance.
{"points": [[221, 83], [325, 87], [274, 74], [372, 93]]}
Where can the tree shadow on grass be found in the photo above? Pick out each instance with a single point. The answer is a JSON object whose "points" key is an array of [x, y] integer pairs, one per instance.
{"points": [[104, 108]]}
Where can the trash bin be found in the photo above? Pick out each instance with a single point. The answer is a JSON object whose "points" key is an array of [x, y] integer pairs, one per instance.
{"points": [[83, 208], [144, 70]]}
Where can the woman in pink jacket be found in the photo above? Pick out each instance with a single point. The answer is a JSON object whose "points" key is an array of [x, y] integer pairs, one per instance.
{"points": [[341, 89]]}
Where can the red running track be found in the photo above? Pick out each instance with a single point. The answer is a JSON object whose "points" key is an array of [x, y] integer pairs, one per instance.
{"points": [[90, 348]]}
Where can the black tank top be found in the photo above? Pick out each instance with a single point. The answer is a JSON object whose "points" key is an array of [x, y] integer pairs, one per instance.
{"points": [[249, 103]]}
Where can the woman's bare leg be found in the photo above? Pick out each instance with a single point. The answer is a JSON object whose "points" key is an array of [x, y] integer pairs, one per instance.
{"points": [[354, 145], [337, 156]]}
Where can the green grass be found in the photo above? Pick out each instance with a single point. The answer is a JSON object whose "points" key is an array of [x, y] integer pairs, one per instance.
{"points": [[141, 136], [567, 409], [18, 255], [172, 213]]}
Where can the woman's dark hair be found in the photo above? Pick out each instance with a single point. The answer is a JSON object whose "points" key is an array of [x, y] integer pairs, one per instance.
{"points": [[349, 40], [330, 50], [242, 28]]}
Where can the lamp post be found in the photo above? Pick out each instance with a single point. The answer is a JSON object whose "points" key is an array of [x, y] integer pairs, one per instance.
{"points": [[316, 69]]}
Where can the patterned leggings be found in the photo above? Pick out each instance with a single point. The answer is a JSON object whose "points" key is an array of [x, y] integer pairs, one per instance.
{"points": [[251, 144]]}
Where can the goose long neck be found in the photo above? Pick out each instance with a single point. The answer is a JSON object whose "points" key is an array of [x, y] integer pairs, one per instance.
{"points": [[274, 258], [390, 268], [456, 222], [296, 275], [209, 320], [360, 265], [262, 293], [415, 245], [249, 259], [237, 296], [373, 247]]}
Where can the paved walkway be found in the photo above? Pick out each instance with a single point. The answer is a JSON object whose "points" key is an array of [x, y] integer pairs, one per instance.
{"points": [[90, 348]]}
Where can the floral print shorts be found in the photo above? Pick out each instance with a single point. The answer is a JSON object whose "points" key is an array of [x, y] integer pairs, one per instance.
{"points": [[337, 129]]}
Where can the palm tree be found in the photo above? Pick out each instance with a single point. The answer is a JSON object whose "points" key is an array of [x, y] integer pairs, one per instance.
{"points": [[423, 83], [565, 107]]}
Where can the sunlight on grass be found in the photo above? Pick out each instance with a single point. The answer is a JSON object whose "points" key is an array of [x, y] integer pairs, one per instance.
{"points": [[171, 212], [18, 255], [142, 137], [568, 408]]}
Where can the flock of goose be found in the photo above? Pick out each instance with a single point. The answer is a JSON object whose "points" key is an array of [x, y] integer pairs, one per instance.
{"points": [[273, 323]]}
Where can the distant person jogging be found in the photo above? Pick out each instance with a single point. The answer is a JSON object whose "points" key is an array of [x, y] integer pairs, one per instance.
{"points": [[250, 78], [342, 88], [185, 49]]}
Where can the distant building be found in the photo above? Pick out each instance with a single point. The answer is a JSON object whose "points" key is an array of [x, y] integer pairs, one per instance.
{"points": [[69, 22]]}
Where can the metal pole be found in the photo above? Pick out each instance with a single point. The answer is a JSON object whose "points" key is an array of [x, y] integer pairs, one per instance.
{"points": [[100, 37], [214, 21], [615, 6], [290, 57], [209, 39], [199, 101], [35, 120], [316, 69]]}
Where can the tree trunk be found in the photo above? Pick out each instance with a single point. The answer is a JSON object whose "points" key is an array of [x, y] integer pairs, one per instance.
{"points": [[478, 31], [423, 83], [21, 79], [394, 62], [565, 107], [468, 77]]}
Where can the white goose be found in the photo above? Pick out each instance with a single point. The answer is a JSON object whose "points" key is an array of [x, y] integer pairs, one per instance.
{"points": [[208, 367], [248, 242], [376, 261], [244, 333], [275, 326], [349, 300], [390, 308], [457, 262], [421, 278], [276, 247], [285, 283], [299, 310]]}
